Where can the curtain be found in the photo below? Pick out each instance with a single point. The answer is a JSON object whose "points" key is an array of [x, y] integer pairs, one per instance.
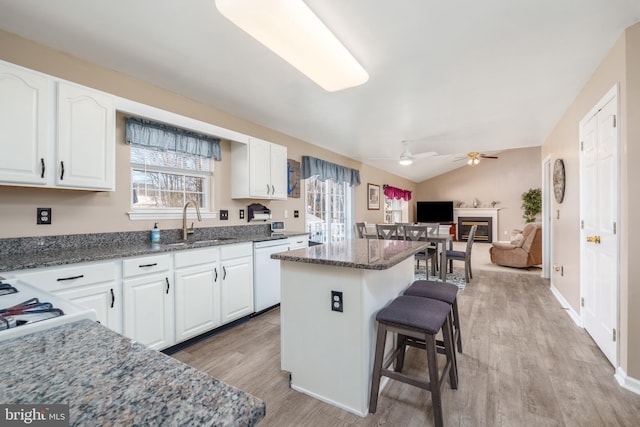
{"points": [[397, 193], [167, 138], [312, 166]]}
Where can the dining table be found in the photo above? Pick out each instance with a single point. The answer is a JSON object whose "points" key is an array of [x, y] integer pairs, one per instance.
{"points": [[440, 239]]}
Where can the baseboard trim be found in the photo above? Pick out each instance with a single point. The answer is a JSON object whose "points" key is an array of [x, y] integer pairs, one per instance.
{"points": [[626, 381], [566, 306]]}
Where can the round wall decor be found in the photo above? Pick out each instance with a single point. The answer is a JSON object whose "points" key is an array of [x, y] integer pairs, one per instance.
{"points": [[558, 180]]}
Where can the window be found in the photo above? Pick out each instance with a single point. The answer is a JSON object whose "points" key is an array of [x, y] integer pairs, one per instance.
{"points": [[329, 207], [163, 181], [395, 210]]}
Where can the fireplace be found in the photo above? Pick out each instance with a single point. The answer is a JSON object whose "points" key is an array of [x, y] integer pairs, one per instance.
{"points": [[484, 232]]}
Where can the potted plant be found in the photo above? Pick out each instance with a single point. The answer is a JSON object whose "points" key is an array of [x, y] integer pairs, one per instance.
{"points": [[532, 204]]}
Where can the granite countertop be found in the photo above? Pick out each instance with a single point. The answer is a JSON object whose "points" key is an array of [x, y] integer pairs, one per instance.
{"points": [[370, 254], [116, 245], [108, 379]]}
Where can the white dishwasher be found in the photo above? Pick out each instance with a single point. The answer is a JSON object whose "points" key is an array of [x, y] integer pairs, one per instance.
{"points": [[266, 273]]}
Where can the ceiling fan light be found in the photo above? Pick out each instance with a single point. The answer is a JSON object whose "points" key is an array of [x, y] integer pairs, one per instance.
{"points": [[292, 31], [405, 161], [476, 161], [470, 162]]}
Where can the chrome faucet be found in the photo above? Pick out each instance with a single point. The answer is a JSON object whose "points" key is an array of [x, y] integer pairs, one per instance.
{"points": [[185, 231]]}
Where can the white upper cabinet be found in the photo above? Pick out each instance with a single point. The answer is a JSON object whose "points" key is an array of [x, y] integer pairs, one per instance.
{"points": [[24, 99], [259, 170], [54, 134], [86, 138]]}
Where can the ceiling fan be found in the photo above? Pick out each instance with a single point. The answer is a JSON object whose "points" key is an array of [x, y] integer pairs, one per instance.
{"points": [[473, 158], [406, 158]]}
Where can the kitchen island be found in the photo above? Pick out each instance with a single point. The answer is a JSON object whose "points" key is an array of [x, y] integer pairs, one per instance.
{"points": [[330, 353], [109, 380]]}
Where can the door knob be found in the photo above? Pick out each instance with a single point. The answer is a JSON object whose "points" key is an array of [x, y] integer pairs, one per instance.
{"points": [[593, 239]]}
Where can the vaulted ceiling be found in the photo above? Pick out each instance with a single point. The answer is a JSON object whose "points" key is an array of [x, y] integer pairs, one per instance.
{"points": [[447, 76]]}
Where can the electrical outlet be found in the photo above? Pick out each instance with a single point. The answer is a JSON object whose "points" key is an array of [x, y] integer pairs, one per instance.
{"points": [[296, 214], [241, 213], [224, 215], [44, 216], [336, 301]]}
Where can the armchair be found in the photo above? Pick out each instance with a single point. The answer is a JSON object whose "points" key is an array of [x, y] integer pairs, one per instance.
{"points": [[526, 252]]}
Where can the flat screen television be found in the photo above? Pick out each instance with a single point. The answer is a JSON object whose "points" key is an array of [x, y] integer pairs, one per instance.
{"points": [[435, 212]]}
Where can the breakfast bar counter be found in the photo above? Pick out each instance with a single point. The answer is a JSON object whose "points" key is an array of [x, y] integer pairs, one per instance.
{"points": [[330, 353], [107, 379]]}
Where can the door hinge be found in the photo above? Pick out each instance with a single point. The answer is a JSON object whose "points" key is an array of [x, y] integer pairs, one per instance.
{"points": [[614, 120], [582, 224], [614, 227], [581, 302], [614, 334], [581, 145]]}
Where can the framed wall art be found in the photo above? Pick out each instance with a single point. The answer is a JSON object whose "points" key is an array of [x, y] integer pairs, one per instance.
{"points": [[373, 196]]}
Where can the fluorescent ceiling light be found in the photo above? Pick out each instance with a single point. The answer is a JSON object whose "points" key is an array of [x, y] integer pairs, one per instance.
{"points": [[291, 30]]}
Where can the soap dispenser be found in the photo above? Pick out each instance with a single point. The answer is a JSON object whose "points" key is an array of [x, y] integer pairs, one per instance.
{"points": [[155, 234]]}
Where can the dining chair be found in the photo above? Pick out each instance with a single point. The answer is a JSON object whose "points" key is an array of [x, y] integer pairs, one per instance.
{"points": [[361, 229], [416, 233], [401, 226], [464, 256], [387, 231], [432, 228]]}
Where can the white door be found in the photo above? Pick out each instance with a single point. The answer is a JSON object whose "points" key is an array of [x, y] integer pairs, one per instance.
{"points": [[148, 311], [23, 126], [259, 170], [279, 172], [197, 300], [102, 298], [86, 139], [237, 288], [599, 171]]}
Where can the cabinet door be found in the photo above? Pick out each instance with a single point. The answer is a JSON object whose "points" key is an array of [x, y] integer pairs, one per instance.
{"points": [[237, 288], [23, 126], [104, 298], [259, 168], [148, 310], [279, 174], [197, 300], [86, 139]]}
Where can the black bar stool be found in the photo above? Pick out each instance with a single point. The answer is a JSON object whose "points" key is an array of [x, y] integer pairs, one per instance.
{"points": [[442, 291], [421, 319]]}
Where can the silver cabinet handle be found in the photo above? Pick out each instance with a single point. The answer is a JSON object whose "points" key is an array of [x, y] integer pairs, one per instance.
{"points": [[42, 168], [273, 190], [224, 273], [167, 280], [61, 170], [215, 270], [113, 298], [267, 188]]}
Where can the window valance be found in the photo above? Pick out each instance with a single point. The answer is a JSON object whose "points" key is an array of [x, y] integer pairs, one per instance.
{"points": [[312, 166], [397, 193], [167, 138]]}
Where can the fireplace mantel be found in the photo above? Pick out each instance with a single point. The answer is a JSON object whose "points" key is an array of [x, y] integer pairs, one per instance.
{"points": [[488, 212]]}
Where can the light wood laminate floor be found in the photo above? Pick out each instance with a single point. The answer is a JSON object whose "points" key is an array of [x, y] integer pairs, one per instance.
{"points": [[525, 363]]}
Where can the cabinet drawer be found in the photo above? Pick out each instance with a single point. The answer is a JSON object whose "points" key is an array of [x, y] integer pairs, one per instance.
{"points": [[145, 265], [236, 251], [196, 256], [55, 279], [298, 242]]}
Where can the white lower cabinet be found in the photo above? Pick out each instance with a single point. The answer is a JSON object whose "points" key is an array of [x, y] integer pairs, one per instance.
{"points": [[91, 285], [197, 292], [149, 301], [237, 281], [158, 300]]}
